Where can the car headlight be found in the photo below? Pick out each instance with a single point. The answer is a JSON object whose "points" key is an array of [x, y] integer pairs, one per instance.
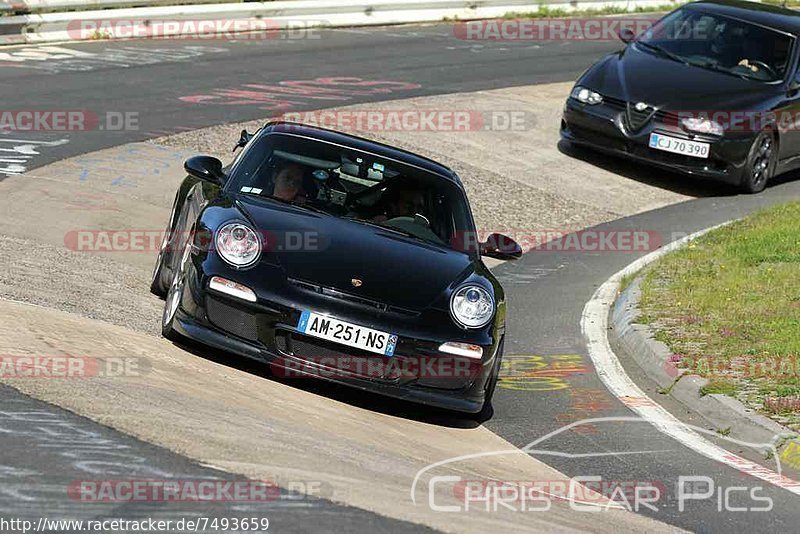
{"points": [[587, 96], [472, 306], [702, 126], [238, 244]]}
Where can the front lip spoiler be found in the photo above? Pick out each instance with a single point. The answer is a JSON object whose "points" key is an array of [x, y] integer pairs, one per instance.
{"points": [[682, 169], [191, 329]]}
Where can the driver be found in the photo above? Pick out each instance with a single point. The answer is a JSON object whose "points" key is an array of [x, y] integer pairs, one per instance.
{"points": [[727, 45], [289, 183], [405, 202], [775, 55]]}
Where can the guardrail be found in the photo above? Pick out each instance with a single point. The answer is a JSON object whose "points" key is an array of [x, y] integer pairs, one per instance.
{"points": [[51, 27], [25, 7]]}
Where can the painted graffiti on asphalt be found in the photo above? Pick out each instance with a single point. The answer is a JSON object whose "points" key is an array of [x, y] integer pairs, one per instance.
{"points": [[585, 403], [291, 94], [16, 154], [540, 373], [56, 59], [142, 160]]}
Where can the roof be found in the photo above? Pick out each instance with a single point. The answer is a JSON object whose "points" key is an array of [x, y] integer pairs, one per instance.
{"points": [[364, 145], [772, 16]]}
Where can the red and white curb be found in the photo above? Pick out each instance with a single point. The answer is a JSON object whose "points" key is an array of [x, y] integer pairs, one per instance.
{"points": [[594, 324]]}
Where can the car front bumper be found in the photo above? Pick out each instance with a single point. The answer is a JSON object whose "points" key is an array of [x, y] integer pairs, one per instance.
{"points": [[602, 127], [266, 331]]}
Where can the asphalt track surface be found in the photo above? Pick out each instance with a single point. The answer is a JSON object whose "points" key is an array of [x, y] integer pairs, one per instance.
{"points": [[547, 290]]}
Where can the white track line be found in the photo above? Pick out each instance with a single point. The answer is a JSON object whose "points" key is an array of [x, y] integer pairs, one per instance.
{"points": [[594, 324]]}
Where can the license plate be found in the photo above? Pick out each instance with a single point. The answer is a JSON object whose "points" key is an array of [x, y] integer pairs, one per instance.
{"points": [[352, 335], [679, 146]]}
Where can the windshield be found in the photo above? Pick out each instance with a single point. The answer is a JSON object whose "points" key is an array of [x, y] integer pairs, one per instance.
{"points": [[720, 43], [361, 187]]}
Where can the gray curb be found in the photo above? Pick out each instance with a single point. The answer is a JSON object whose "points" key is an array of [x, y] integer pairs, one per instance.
{"points": [[634, 342]]}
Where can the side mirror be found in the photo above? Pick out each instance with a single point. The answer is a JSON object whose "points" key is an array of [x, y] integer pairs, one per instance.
{"points": [[206, 168], [794, 87], [243, 140], [501, 247], [626, 35]]}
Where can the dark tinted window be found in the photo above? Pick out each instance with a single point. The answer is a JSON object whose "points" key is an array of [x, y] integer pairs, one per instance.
{"points": [[351, 184], [721, 43]]}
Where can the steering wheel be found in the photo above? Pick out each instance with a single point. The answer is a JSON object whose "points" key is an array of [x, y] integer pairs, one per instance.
{"points": [[763, 66], [418, 218]]}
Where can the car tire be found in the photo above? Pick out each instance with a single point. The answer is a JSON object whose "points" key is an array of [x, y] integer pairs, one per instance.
{"points": [[174, 296], [761, 162], [156, 288], [156, 282]]}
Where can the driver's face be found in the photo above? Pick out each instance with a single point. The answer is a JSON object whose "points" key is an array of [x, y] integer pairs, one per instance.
{"points": [[288, 183], [408, 203]]}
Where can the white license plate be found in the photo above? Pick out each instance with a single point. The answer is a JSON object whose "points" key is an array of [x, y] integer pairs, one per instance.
{"points": [[679, 146], [352, 335]]}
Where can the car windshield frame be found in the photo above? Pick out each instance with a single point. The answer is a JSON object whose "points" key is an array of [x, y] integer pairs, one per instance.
{"points": [[234, 182], [647, 46]]}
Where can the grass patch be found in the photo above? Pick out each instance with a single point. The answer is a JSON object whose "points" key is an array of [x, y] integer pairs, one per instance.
{"points": [[788, 3], [626, 281], [718, 386], [730, 302]]}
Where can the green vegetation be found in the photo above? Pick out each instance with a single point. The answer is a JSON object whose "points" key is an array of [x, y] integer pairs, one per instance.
{"points": [[787, 3], [728, 306]]}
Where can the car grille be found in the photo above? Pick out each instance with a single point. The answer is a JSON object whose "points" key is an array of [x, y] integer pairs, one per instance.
{"points": [[231, 319], [355, 299], [614, 102], [635, 120]]}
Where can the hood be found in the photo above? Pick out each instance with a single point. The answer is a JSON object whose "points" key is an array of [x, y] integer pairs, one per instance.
{"points": [[329, 251], [635, 75]]}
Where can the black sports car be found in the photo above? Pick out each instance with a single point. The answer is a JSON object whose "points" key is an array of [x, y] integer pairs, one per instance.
{"points": [[332, 256], [712, 90]]}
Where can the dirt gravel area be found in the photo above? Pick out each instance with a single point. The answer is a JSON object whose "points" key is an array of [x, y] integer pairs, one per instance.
{"points": [[89, 285]]}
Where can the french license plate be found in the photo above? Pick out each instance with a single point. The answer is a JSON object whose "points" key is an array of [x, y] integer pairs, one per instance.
{"points": [[352, 335], [675, 145]]}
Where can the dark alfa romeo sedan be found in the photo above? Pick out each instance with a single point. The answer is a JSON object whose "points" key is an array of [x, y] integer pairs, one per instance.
{"points": [[710, 90], [331, 256]]}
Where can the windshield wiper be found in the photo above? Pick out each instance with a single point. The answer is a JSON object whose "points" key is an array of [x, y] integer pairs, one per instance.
{"points": [[663, 52], [434, 245], [382, 227], [710, 65], [289, 202]]}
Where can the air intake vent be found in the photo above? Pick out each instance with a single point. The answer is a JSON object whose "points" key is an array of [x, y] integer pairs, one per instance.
{"points": [[355, 299], [233, 320]]}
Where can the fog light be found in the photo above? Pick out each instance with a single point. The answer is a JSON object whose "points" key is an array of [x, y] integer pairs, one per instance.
{"points": [[462, 349], [229, 287]]}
